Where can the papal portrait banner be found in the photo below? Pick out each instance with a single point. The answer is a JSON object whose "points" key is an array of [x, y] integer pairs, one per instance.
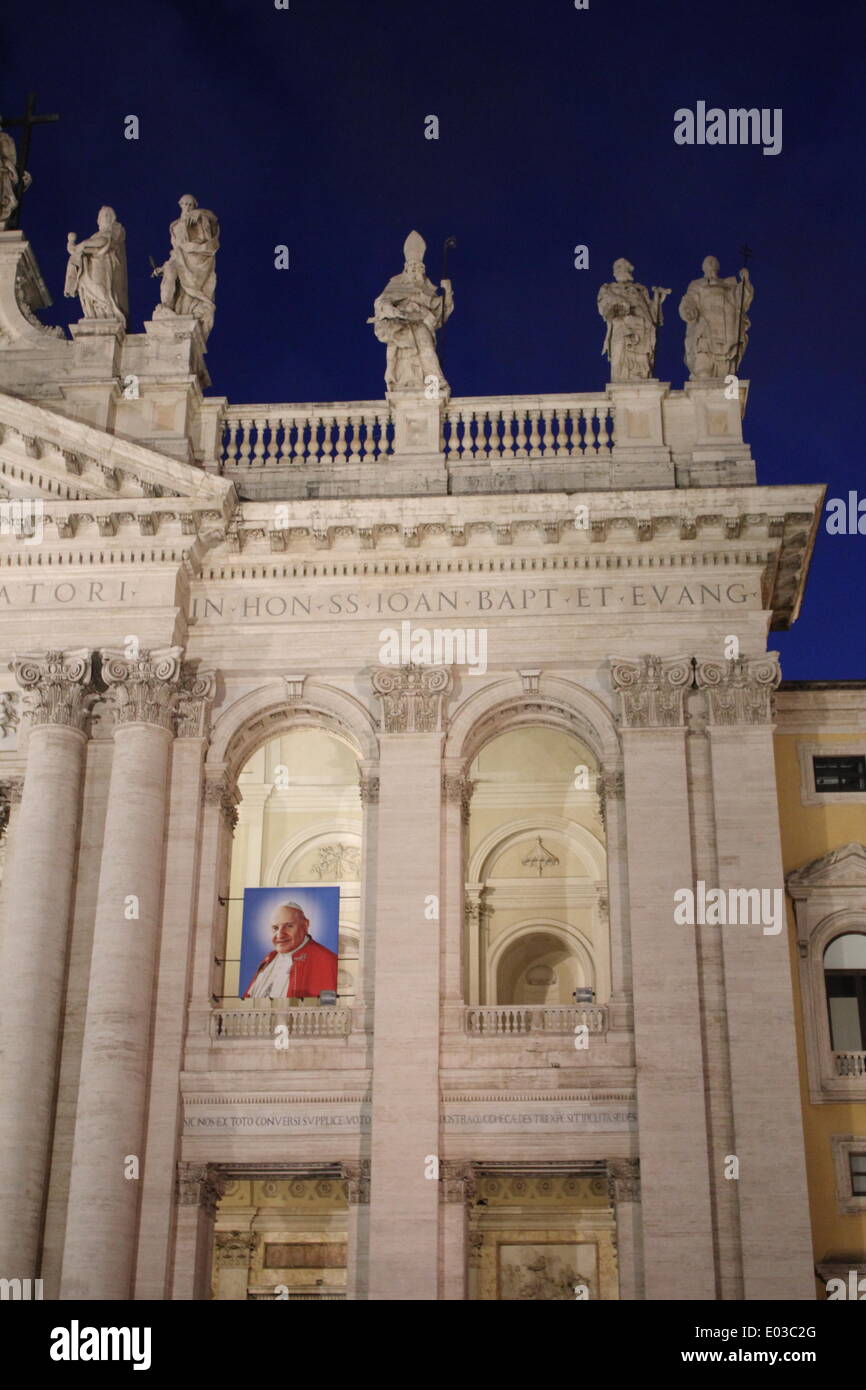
{"points": [[289, 943]]}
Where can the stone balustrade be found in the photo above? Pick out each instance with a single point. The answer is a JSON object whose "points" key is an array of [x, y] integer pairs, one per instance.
{"points": [[245, 1024], [517, 1020], [850, 1063], [479, 428], [283, 436]]}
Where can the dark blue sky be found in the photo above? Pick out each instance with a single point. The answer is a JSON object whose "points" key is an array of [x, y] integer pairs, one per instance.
{"points": [[306, 127]]}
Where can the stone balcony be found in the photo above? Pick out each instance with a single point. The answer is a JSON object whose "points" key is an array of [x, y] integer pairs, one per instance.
{"points": [[850, 1064]]}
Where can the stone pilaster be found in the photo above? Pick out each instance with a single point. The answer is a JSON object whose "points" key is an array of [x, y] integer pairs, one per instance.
{"points": [[198, 1190], [766, 1110], [108, 1152], [610, 787], [456, 795], [456, 1191], [677, 1218], [357, 1176], [404, 1208], [624, 1185], [39, 884], [368, 787]]}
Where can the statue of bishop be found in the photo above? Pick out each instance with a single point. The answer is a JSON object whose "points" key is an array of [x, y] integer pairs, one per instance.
{"points": [[407, 316], [9, 178], [714, 311], [96, 270], [633, 320], [189, 274]]}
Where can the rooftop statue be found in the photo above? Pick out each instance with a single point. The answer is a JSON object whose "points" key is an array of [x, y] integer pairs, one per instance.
{"points": [[96, 271], [633, 320], [9, 178], [189, 274], [715, 311], [407, 316]]}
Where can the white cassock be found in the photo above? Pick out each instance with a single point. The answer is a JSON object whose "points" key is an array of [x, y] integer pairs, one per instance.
{"points": [[273, 982]]}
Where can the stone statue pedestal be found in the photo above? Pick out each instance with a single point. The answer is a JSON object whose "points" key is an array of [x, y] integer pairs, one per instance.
{"points": [[97, 346], [417, 423], [718, 423], [639, 438]]}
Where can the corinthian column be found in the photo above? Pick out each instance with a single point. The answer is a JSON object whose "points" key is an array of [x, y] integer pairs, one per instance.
{"points": [[38, 887], [110, 1122]]}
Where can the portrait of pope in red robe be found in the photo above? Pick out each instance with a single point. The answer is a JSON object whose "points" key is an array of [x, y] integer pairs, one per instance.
{"points": [[298, 967]]}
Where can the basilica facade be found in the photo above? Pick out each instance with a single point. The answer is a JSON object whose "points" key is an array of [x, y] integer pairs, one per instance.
{"points": [[498, 669]]}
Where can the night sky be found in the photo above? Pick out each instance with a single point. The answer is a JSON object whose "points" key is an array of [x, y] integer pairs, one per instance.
{"points": [[305, 127]]}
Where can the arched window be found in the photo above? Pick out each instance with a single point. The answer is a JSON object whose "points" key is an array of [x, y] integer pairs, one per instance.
{"points": [[537, 932], [845, 981], [299, 824]]}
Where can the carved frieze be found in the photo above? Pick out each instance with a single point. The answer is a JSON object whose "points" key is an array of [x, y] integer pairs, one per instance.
{"points": [[651, 690], [739, 690], [56, 687], [411, 697], [143, 689]]}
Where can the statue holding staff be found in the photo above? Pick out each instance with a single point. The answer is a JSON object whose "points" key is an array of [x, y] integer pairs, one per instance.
{"points": [[714, 311]]}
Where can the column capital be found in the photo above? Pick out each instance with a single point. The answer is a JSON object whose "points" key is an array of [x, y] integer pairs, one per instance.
{"points": [[357, 1179], [233, 1248], [143, 689], [220, 789], [198, 1185], [651, 690], [456, 1182], [740, 689], [368, 786], [623, 1176], [411, 697], [57, 687], [609, 784], [458, 787], [195, 693]]}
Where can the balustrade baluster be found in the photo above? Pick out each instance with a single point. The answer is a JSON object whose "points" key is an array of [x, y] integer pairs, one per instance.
{"points": [[244, 456], [231, 450], [534, 439]]}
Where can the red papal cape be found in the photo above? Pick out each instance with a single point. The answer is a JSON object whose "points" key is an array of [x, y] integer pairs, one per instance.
{"points": [[314, 968]]}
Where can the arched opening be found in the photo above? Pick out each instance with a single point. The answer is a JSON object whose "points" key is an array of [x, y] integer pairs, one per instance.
{"points": [[845, 983], [536, 888], [299, 827]]}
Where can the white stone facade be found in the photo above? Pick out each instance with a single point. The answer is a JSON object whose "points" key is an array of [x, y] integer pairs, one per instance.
{"points": [[185, 605]]}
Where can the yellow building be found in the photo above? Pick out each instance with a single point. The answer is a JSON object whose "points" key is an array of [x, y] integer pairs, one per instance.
{"points": [[821, 775]]}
